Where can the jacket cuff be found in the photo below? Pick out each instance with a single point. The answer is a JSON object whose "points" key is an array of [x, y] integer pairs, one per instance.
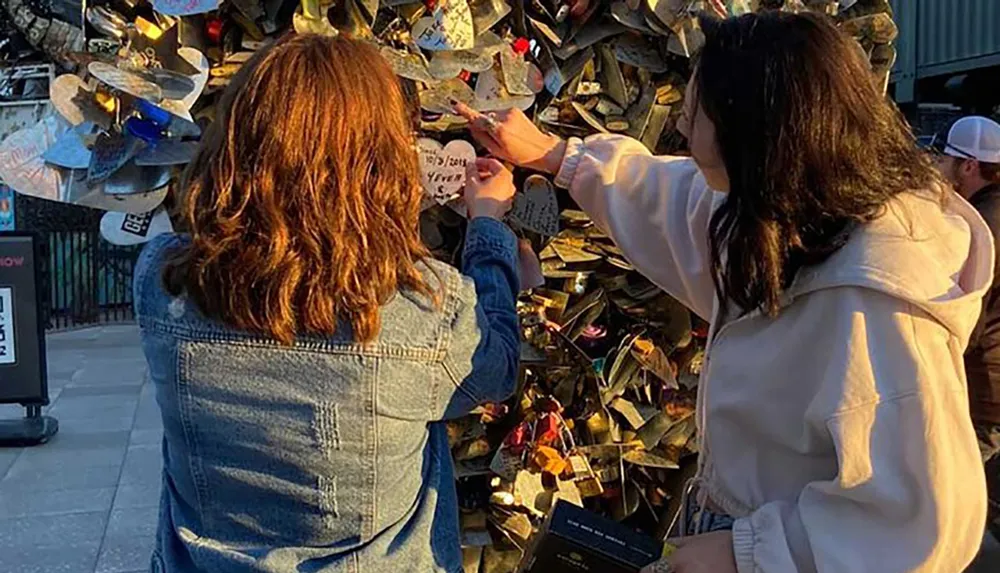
{"points": [[743, 541], [493, 236], [567, 169]]}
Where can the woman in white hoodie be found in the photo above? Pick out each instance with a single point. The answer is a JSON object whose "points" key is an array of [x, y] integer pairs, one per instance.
{"points": [[842, 280]]}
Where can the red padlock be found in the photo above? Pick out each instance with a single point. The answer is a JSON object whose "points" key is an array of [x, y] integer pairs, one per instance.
{"points": [[213, 30], [521, 46], [547, 430], [517, 440]]}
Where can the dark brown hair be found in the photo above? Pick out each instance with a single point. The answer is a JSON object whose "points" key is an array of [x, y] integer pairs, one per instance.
{"points": [[302, 203], [811, 146]]}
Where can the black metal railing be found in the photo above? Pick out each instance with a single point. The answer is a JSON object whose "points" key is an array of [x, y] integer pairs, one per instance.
{"points": [[89, 279]]}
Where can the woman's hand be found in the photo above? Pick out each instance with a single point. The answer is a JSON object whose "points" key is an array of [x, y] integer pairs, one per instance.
{"points": [[706, 553], [510, 135], [489, 188]]}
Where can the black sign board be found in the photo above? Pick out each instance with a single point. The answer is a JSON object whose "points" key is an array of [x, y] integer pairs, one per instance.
{"points": [[574, 540], [22, 336]]}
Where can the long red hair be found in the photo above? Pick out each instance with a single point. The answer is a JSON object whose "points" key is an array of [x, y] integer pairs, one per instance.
{"points": [[303, 201]]}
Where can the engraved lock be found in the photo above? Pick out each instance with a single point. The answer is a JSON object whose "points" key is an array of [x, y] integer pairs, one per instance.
{"points": [[312, 9]]}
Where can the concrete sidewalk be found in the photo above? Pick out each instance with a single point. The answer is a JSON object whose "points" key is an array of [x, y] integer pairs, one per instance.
{"points": [[86, 502]]}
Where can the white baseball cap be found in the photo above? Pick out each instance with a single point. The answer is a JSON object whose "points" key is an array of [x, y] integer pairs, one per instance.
{"points": [[975, 137]]}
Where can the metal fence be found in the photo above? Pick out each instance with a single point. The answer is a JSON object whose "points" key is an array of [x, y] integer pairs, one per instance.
{"points": [[88, 280]]}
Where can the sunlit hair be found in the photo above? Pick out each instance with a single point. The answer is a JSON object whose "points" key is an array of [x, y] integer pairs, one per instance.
{"points": [[302, 203], [811, 146]]}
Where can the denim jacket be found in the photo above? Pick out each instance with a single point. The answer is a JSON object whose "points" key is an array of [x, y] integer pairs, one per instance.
{"points": [[327, 455]]}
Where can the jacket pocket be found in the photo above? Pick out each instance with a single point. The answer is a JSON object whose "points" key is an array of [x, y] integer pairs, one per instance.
{"points": [[280, 443]]}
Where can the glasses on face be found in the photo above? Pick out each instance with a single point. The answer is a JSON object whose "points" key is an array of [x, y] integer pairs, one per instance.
{"points": [[939, 146]]}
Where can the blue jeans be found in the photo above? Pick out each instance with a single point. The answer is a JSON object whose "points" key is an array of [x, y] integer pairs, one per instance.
{"points": [[706, 521]]}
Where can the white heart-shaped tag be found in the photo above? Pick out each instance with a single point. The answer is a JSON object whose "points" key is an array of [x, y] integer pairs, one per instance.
{"points": [[167, 152], [447, 65], [125, 81], [407, 65], [437, 98], [133, 179], [491, 95], [450, 28], [520, 76], [22, 166], [95, 198], [537, 208], [198, 60], [442, 168], [111, 151], [134, 228], [70, 151], [74, 100]]}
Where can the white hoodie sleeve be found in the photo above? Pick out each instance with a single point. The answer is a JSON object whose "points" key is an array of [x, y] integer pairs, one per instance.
{"points": [[909, 494], [656, 209]]}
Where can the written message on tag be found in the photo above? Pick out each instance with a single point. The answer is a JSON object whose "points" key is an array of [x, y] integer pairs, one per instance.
{"points": [[537, 209], [442, 168], [450, 28], [110, 153]]}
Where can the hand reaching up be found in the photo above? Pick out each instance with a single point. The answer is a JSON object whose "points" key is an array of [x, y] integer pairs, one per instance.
{"points": [[510, 135]]}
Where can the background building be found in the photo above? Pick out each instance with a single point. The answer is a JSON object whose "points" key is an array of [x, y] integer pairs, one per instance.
{"points": [[948, 60]]}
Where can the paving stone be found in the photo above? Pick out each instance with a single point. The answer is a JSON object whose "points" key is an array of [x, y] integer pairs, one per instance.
{"points": [[53, 530], [43, 479], [125, 554], [7, 457], [11, 411], [40, 503], [54, 394], [134, 496], [61, 364], [66, 558], [143, 465], [69, 460], [87, 440], [87, 425], [130, 390], [131, 522], [147, 420], [102, 337], [122, 372], [90, 408], [145, 437]]}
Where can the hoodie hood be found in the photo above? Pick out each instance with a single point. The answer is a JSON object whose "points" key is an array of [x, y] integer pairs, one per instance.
{"points": [[929, 248]]}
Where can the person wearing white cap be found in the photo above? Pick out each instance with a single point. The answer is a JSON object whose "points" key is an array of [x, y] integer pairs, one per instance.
{"points": [[970, 159]]}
